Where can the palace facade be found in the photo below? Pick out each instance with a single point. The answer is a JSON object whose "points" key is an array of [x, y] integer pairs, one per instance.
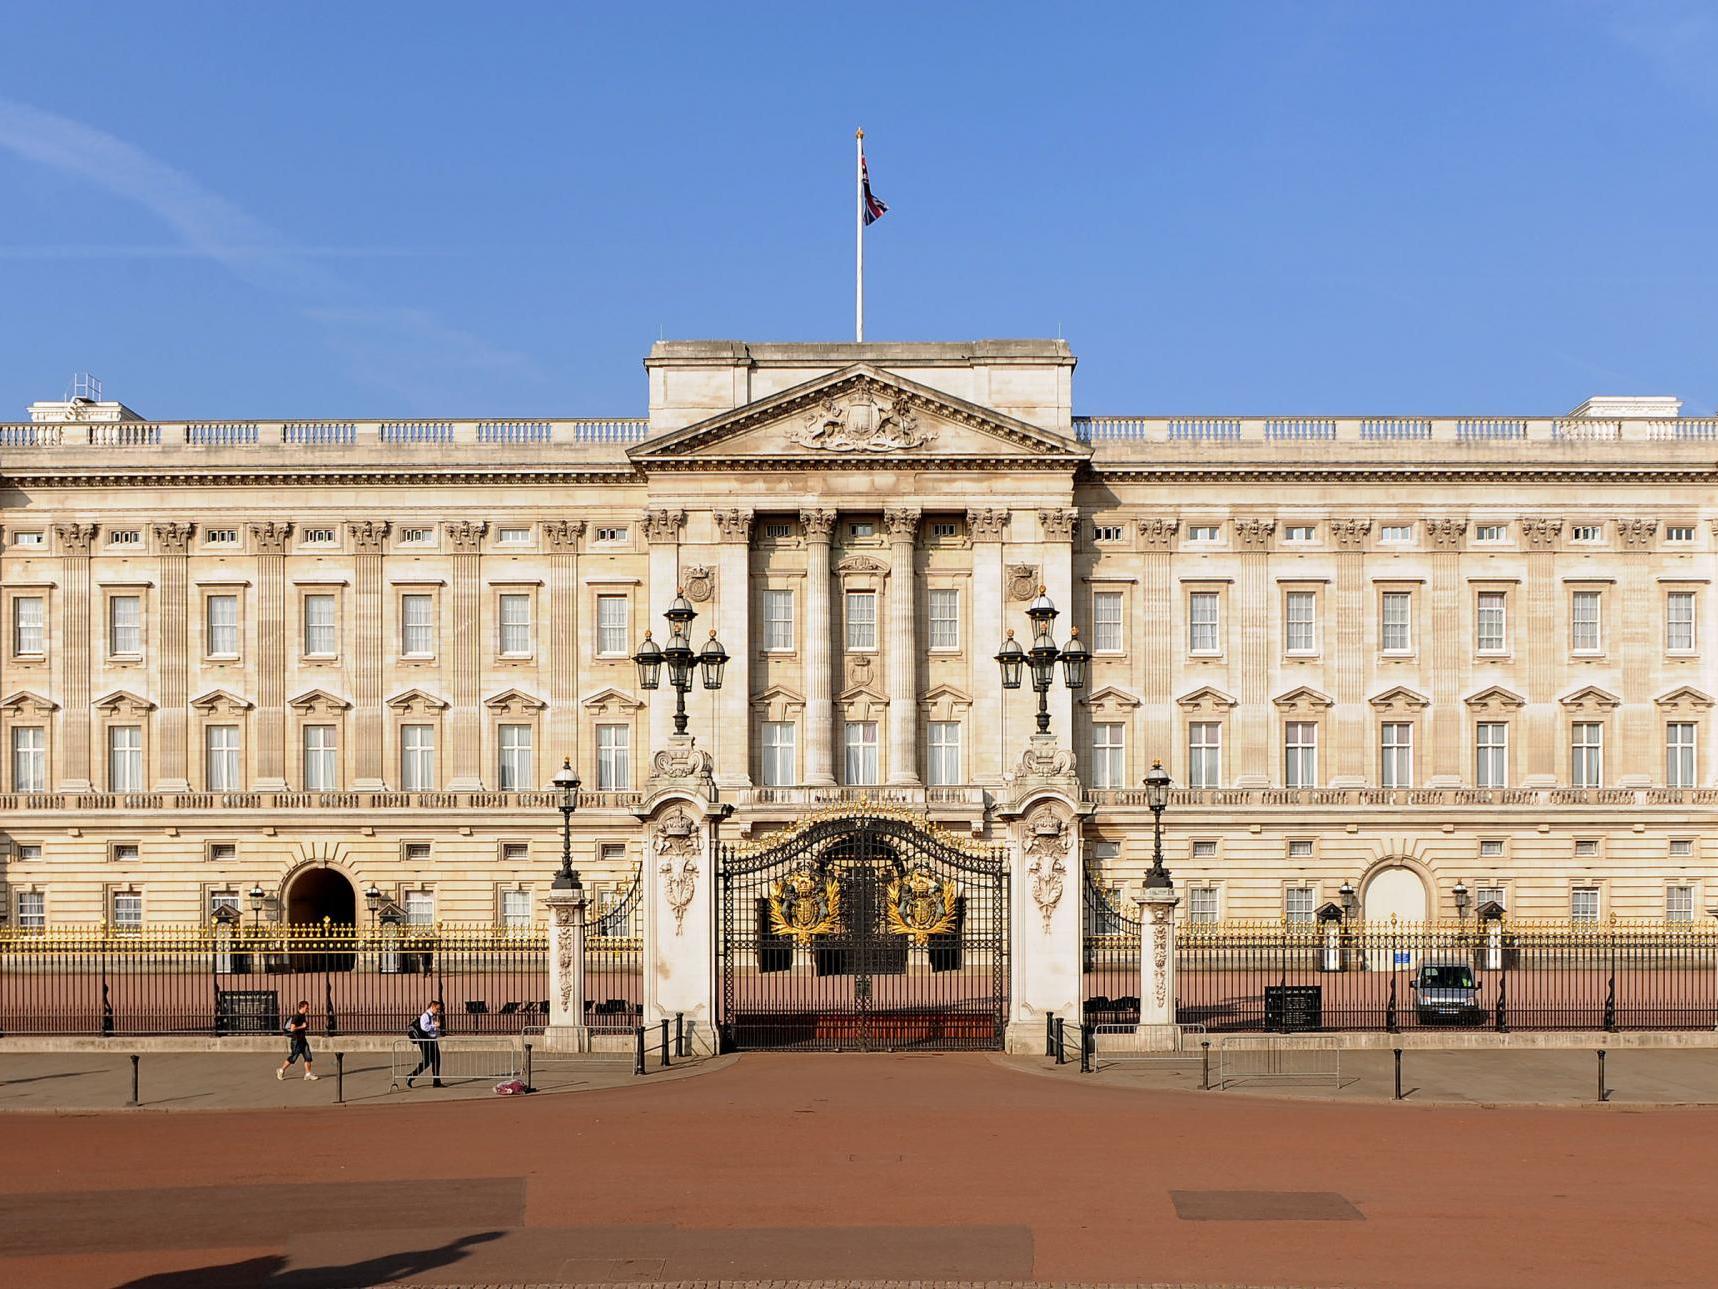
{"points": [[1383, 658]]}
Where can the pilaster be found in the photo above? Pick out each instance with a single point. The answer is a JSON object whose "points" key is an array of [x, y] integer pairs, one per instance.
{"points": [[1146, 633], [1251, 632], [76, 613], [662, 529], [369, 540], [562, 538], [1046, 914], [989, 736], [566, 1030], [465, 538], [680, 914], [733, 623], [269, 540], [1637, 641], [1539, 643], [1056, 538], [1446, 764], [1348, 614], [819, 646], [173, 540], [903, 528], [1157, 965]]}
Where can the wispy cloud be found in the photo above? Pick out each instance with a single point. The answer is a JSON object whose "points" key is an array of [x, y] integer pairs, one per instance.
{"points": [[211, 227]]}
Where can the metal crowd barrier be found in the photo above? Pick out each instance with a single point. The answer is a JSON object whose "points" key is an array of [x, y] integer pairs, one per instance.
{"points": [[461, 1061], [1268, 1062]]}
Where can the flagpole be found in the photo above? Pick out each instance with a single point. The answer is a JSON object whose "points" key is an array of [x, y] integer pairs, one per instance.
{"points": [[858, 235]]}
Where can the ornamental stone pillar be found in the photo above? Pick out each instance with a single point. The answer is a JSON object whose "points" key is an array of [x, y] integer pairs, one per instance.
{"points": [[270, 541], [988, 737], [369, 729], [466, 731], [733, 728], [1157, 966], [1045, 934], [1251, 632], [662, 530], [903, 527], [566, 1030], [680, 909], [76, 612], [173, 656], [818, 645], [562, 538]]}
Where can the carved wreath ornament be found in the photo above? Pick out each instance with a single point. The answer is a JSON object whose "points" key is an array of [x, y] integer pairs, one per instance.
{"points": [[861, 425], [1046, 845], [676, 842]]}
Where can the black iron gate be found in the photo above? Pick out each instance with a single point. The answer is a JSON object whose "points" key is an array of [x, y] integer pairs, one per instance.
{"points": [[1109, 958], [864, 932]]}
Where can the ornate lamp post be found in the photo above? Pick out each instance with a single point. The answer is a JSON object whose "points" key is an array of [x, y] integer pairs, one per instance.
{"points": [[1043, 656], [1157, 797], [1350, 903], [566, 785], [256, 894], [1460, 892], [681, 658], [372, 898]]}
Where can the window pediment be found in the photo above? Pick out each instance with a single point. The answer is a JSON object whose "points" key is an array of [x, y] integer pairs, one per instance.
{"points": [[779, 703], [863, 703], [945, 703], [1303, 698], [1111, 700], [1207, 698], [27, 703], [1495, 698], [122, 702], [222, 702], [1400, 698], [417, 702], [1684, 698], [1590, 698], [610, 701], [514, 702], [318, 701]]}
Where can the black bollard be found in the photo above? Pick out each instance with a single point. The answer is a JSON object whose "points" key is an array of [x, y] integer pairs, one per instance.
{"points": [[1049, 1036], [665, 1042], [1398, 1052], [135, 1059], [528, 1084], [339, 1078], [680, 1035], [1205, 1062], [1604, 1092], [1061, 1051], [638, 1049]]}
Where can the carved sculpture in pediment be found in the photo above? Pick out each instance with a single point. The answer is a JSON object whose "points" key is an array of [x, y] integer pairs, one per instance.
{"points": [[861, 564], [863, 423]]}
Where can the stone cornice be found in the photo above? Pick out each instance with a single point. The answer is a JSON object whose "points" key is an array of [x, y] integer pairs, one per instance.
{"points": [[1499, 472], [416, 476]]}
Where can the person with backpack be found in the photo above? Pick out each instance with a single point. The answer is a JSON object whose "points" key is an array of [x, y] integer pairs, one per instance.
{"points": [[426, 1032], [297, 1030]]}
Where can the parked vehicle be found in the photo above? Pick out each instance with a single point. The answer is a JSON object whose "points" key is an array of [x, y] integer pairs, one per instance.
{"points": [[1447, 992]]}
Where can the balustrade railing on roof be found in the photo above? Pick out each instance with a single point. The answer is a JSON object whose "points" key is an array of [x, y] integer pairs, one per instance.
{"points": [[1476, 430], [401, 434]]}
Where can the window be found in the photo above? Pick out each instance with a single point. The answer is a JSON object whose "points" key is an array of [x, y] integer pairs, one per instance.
{"points": [[861, 620], [614, 757], [1679, 532], [778, 620], [420, 908], [221, 626], [1679, 767], [1587, 848], [125, 537], [1298, 533], [612, 854], [611, 626], [417, 853], [417, 758], [945, 530], [515, 854], [417, 625], [127, 911], [125, 758], [1300, 754], [1397, 635], [1202, 904], [515, 616], [1588, 533], [516, 910], [1678, 622], [320, 537], [223, 852], [1205, 754], [1396, 755], [1204, 850], [861, 744], [221, 537], [778, 529], [513, 536], [1584, 622], [319, 626], [416, 536], [1491, 634], [124, 626], [1396, 534], [1107, 532], [1584, 904], [321, 771], [944, 745], [1106, 621], [29, 626], [1300, 848], [1201, 532], [30, 853], [1679, 903], [1491, 848], [221, 758], [1586, 754], [1488, 533], [944, 606], [1483, 895], [29, 758], [779, 768], [1109, 755], [516, 769], [32, 911], [862, 528], [1298, 904], [41, 539], [124, 852], [1300, 617], [1491, 754], [1202, 622], [612, 533]]}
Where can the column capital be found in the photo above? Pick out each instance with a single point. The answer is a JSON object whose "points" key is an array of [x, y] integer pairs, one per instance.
{"points": [[1446, 534], [663, 525], [734, 525], [466, 535], [1637, 533], [1255, 534], [174, 538], [1541, 534], [1157, 533], [369, 536], [74, 539], [986, 525], [271, 536], [902, 524], [1058, 525], [819, 524], [1350, 534], [562, 535]]}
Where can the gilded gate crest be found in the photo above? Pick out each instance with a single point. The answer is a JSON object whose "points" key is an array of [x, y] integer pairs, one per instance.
{"points": [[804, 905], [920, 906]]}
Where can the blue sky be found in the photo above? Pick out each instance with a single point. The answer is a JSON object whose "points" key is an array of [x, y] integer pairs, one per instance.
{"points": [[465, 210]]}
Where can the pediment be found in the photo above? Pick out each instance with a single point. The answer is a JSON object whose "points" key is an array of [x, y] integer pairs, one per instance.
{"points": [[860, 416], [220, 700], [27, 701], [1302, 697], [417, 700], [1399, 697], [1111, 698], [514, 700], [1684, 696], [122, 700], [1495, 697], [1591, 696], [779, 703], [945, 702], [318, 700], [1205, 698], [610, 699]]}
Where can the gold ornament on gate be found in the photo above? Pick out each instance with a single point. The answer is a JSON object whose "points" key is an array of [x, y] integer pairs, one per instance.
{"points": [[804, 904], [921, 906]]}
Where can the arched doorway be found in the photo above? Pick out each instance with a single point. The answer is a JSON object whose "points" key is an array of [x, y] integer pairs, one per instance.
{"points": [[1395, 891], [321, 893]]}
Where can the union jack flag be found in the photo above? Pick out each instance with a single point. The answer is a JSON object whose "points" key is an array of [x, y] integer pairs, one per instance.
{"points": [[874, 206]]}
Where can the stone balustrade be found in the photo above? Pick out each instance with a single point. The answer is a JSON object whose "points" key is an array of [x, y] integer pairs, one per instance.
{"points": [[88, 802], [320, 434], [1365, 429]]}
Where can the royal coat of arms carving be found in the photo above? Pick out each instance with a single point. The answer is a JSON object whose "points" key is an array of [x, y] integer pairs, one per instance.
{"points": [[862, 424], [805, 904], [921, 905]]}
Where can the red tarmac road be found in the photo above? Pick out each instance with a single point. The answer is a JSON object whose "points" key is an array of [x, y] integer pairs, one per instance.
{"points": [[862, 1167]]}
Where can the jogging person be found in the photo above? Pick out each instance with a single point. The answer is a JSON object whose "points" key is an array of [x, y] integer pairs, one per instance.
{"points": [[426, 1029], [297, 1029]]}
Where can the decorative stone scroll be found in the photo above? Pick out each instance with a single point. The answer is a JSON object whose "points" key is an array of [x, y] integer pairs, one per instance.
{"points": [[1541, 534], [1058, 525], [271, 536], [1255, 534], [1158, 534], [818, 524], [1446, 534], [734, 525], [368, 536], [465, 536], [75, 539], [1350, 534]]}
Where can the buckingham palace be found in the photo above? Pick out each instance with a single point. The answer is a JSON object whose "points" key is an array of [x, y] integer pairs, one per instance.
{"points": [[1389, 661]]}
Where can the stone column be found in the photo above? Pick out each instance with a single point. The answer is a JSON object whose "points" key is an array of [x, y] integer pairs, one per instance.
{"points": [[1535, 640], [1348, 612], [1148, 639], [818, 645], [1250, 631], [679, 914], [465, 729], [562, 538], [369, 729], [172, 656], [1449, 766], [271, 760], [76, 612], [662, 530], [566, 1030], [733, 623], [1157, 965], [988, 737], [903, 656], [1046, 930], [1056, 533]]}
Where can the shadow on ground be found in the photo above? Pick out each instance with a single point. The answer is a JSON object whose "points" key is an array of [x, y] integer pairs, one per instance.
{"points": [[273, 1273]]}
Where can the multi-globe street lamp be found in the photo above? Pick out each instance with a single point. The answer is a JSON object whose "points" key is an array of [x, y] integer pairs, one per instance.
{"points": [[681, 658], [1043, 656]]}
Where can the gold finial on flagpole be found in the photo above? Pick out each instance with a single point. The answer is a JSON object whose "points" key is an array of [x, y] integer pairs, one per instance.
{"points": [[859, 134]]}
